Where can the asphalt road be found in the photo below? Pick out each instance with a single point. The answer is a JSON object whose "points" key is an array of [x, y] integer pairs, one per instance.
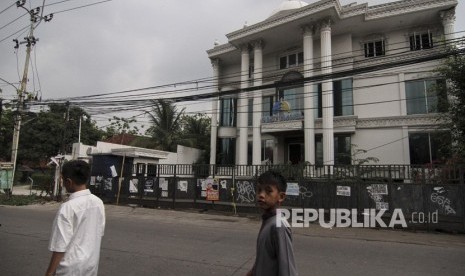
{"points": [[162, 242]]}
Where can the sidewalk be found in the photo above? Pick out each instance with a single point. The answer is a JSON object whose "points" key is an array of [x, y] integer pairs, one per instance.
{"points": [[222, 219], [25, 190]]}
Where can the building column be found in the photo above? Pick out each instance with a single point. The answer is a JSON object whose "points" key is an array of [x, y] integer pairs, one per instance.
{"points": [[327, 93], [257, 103], [448, 19], [214, 121], [242, 106], [309, 96]]}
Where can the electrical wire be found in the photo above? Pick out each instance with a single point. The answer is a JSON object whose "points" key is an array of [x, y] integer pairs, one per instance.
{"points": [[14, 3]]}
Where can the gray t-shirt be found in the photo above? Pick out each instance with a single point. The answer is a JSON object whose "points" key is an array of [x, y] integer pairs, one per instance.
{"points": [[275, 253]]}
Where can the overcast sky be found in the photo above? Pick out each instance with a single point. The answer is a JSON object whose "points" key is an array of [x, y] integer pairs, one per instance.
{"points": [[124, 44]]}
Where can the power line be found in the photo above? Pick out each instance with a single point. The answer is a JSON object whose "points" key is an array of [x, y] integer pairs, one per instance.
{"points": [[83, 6], [180, 84], [7, 8]]}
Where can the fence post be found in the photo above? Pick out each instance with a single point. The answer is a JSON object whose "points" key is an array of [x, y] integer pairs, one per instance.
{"points": [[233, 190], [174, 187], [157, 185], [425, 195], [462, 185]]}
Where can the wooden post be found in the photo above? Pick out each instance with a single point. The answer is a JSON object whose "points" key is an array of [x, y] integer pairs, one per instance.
{"points": [[120, 179]]}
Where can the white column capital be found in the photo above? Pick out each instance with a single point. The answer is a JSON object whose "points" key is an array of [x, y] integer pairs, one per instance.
{"points": [[325, 24], [258, 44], [308, 30], [215, 63], [244, 48], [448, 17]]}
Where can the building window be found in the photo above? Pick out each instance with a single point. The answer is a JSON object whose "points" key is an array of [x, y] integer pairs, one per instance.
{"points": [[342, 98], [319, 150], [291, 60], [428, 148], [227, 151], [419, 41], [374, 48], [228, 112], [250, 113], [294, 98], [267, 106], [267, 150], [425, 96], [342, 150]]}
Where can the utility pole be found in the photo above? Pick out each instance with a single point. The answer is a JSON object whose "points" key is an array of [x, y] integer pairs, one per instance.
{"points": [[30, 41]]}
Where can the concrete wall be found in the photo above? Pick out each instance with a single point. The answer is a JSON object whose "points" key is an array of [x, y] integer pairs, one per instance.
{"points": [[183, 155]]}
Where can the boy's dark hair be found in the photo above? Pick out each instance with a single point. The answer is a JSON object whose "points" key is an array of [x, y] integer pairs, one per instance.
{"points": [[273, 178], [76, 170]]}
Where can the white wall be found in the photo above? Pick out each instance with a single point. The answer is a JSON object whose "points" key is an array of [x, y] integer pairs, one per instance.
{"points": [[183, 155], [388, 151]]}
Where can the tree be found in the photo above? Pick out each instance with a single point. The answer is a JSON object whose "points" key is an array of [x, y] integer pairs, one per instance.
{"points": [[453, 70], [196, 133], [6, 133], [166, 124], [43, 134], [119, 125]]}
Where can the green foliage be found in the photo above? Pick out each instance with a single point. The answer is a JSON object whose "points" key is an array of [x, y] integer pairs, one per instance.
{"points": [[43, 133], [120, 125], [359, 158], [6, 134], [453, 69], [166, 124], [20, 200], [195, 132]]}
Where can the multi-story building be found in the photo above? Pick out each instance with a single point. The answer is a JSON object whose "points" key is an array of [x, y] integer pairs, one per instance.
{"points": [[318, 81]]}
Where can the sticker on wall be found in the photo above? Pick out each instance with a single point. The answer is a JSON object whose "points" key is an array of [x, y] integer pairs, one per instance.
{"points": [[149, 185], [164, 194], [292, 189], [133, 186], [182, 185], [163, 184], [343, 190], [223, 184], [380, 189]]}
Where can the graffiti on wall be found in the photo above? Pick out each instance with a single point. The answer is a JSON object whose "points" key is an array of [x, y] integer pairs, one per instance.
{"points": [[245, 191], [439, 196], [376, 193]]}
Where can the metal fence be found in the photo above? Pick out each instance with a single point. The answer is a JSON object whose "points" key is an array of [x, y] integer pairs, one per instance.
{"points": [[427, 190]]}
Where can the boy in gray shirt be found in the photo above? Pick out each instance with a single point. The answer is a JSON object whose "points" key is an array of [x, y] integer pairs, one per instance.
{"points": [[275, 253]]}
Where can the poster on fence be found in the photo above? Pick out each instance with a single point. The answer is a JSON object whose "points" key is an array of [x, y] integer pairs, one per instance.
{"points": [[212, 189], [380, 189], [182, 185], [292, 189], [108, 184], [343, 190], [149, 185], [133, 186]]}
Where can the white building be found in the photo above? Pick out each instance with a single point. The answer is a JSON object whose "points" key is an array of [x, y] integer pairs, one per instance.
{"points": [[314, 79]]}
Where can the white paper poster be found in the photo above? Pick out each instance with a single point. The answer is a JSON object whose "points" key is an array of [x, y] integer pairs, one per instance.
{"points": [[182, 186], [163, 184], [133, 185], [113, 171], [164, 194], [343, 190], [292, 189]]}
